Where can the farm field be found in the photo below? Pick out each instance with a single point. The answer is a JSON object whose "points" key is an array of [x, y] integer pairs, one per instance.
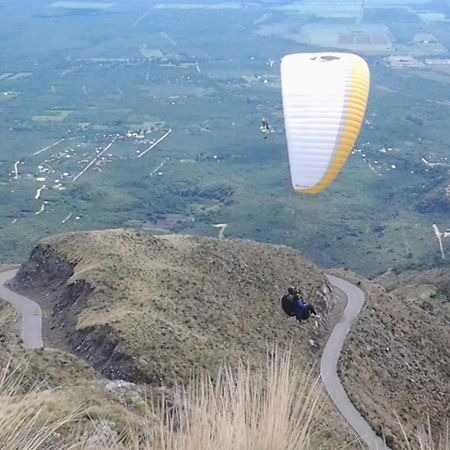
{"points": [[148, 116]]}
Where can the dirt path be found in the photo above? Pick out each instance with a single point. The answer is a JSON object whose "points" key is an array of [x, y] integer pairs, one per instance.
{"points": [[31, 312], [329, 362]]}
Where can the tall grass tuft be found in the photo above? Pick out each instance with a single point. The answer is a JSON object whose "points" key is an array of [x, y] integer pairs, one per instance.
{"points": [[273, 407], [21, 421], [267, 408], [244, 409], [425, 439]]}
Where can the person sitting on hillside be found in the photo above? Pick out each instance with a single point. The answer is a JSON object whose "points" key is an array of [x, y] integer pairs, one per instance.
{"points": [[289, 302], [303, 309]]}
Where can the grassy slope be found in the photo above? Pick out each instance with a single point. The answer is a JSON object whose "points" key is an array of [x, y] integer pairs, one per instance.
{"points": [[399, 348], [176, 303], [137, 278], [180, 303]]}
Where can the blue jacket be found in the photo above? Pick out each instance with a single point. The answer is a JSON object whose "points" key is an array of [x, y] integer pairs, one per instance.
{"points": [[303, 309]]}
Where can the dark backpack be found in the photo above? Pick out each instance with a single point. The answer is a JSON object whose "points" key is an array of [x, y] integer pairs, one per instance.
{"points": [[288, 304]]}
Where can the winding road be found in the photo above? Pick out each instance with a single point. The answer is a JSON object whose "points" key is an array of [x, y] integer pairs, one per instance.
{"points": [[329, 364], [32, 339], [30, 310]]}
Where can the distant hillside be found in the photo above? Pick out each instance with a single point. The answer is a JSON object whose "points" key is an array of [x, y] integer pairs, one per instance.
{"points": [[396, 361]]}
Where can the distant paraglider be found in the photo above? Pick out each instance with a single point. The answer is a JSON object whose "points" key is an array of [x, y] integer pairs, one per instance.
{"points": [[265, 127], [324, 102]]}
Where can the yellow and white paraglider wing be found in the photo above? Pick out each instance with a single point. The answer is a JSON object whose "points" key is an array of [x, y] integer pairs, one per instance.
{"points": [[324, 102]]}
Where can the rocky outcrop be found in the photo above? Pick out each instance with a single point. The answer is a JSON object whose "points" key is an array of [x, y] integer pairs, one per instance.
{"points": [[101, 347], [47, 277]]}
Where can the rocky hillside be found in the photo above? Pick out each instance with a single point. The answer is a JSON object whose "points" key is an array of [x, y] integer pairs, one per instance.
{"points": [[396, 363], [151, 309], [61, 383], [154, 309]]}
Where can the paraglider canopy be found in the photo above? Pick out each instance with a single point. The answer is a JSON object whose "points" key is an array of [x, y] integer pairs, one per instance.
{"points": [[324, 102]]}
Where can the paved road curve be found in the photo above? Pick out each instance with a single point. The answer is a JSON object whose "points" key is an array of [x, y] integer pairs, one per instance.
{"points": [[30, 310], [329, 361]]}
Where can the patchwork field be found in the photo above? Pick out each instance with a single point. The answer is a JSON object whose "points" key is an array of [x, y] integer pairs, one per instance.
{"points": [[148, 117]]}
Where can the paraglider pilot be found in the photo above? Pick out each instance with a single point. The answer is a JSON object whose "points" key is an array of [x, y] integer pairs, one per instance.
{"points": [[265, 127], [294, 304]]}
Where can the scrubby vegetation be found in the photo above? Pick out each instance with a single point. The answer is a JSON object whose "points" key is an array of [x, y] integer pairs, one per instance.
{"points": [[271, 408]]}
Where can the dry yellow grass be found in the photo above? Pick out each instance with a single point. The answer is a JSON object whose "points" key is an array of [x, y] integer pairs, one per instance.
{"points": [[271, 408], [243, 409], [21, 420], [424, 439]]}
